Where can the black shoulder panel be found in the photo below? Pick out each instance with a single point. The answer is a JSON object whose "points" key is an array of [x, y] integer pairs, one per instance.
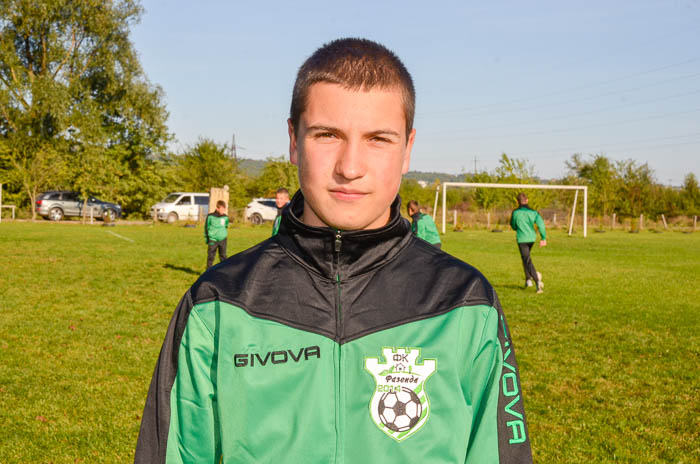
{"points": [[420, 282], [267, 283]]}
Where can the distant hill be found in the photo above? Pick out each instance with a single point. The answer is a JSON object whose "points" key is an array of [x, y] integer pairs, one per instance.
{"points": [[251, 167]]}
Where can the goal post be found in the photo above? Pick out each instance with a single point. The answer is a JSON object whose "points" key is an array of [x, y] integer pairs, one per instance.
{"points": [[445, 185]]}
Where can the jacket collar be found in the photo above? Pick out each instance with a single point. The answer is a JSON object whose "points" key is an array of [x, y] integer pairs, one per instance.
{"points": [[360, 250]]}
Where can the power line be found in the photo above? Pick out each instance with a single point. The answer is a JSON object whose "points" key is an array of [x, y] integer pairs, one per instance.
{"points": [[576, 100], [594, 84], [598, 146], [572, 129], [571, 115]]}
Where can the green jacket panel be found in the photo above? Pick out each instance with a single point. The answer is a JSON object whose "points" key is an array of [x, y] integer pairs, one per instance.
{"points": [[523, 220], [215, 227], [424, 227], [260, 391]]}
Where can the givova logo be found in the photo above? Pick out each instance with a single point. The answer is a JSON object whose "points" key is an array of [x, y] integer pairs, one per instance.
{"points": [[399, 405]]}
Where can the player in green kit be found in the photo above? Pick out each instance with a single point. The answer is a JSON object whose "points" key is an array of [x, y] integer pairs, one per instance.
{"points": [[422, 225], [216, 232], [523, 221]]}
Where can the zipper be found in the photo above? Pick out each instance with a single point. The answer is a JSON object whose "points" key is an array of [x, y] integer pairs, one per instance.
{"points": [[336, 266], [338, 328]]}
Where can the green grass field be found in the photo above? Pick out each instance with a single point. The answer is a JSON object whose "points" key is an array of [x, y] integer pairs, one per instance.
{"points": [[609, 354]]}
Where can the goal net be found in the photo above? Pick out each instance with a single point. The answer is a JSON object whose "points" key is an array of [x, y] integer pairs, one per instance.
{"points": [[577, 188]]}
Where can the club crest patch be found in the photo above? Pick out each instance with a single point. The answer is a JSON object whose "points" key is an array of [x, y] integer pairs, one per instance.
{"points": [[399, 405]]}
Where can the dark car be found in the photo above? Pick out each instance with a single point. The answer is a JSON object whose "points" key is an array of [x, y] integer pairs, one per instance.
{"points": [[57, 204]]}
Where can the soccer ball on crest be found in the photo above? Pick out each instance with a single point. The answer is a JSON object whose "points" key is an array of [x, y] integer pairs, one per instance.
{"points": [[400, 411]]}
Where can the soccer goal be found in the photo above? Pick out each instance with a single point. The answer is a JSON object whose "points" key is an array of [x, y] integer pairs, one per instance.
{"points": [[577, 188]]}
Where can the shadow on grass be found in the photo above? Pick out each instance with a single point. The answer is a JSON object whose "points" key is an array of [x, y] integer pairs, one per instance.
{"points": [[508, 286], [188, 270]]}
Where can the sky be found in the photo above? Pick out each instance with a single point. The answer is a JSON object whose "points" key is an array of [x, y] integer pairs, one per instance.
{"points": [[538, 81]]}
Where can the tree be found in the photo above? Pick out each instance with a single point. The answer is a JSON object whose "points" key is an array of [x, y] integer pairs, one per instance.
{"points": [[690, 195], [519, 171], [411, 190], [36, 167], [277, 173], [602, 176], [485, 198], [636, 187], [206, 165], [71, 85]]}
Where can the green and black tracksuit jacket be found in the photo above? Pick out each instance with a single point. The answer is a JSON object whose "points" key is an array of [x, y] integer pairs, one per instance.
{"points": [[424, 227], [325, 346], [523, 220], [215, 227]]}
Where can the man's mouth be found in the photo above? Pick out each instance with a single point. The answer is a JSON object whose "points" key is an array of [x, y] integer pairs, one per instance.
{"points": [[347, 194]]}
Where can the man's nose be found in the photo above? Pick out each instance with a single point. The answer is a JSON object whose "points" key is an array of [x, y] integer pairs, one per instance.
{"points": [[351, 163]]}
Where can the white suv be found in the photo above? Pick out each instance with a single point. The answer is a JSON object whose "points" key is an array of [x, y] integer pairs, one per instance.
{"points": [[260, 210], [180, 206]]}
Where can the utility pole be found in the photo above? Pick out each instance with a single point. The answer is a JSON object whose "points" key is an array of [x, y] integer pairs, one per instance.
{"points": [[475, 160], [233, 146]]}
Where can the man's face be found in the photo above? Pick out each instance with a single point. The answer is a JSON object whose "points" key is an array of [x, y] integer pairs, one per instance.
{"points": [[220, 209], [351, 150], [281, 199]]}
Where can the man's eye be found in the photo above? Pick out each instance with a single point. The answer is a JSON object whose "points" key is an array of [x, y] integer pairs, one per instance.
{"points": [[380, 139], [325, 135]]}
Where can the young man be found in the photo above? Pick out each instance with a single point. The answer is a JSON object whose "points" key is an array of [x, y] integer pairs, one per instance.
{"points": [[423, 225], [523, 220], [215, 232], [344, 338], [281, 200]]}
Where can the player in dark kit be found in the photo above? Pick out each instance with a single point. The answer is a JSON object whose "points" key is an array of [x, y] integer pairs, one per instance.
{"points": [[343, 338]]}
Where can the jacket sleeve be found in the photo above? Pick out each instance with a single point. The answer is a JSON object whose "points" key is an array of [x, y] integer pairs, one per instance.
{"points": [[206, 229], [180, 422], [499, 431], [512, 223], [540, 226]]}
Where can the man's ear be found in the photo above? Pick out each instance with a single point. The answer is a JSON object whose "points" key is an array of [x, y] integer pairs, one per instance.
{"points": [[407, 152], [293, 154]]}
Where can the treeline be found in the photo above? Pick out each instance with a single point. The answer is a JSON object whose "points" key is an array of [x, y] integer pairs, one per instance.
{"points": [[204, 165], [625, 188]]}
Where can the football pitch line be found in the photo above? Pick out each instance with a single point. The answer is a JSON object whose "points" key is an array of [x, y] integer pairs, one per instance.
{"points": [[120, 236]]}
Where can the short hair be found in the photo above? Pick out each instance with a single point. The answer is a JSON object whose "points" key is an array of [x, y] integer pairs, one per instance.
{"points": [[522, 198], [413, 204], [356, 64], [221, 203], [282, 190]]}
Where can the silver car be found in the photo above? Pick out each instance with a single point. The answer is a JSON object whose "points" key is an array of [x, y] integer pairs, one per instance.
{"points": [[57, 204]]}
